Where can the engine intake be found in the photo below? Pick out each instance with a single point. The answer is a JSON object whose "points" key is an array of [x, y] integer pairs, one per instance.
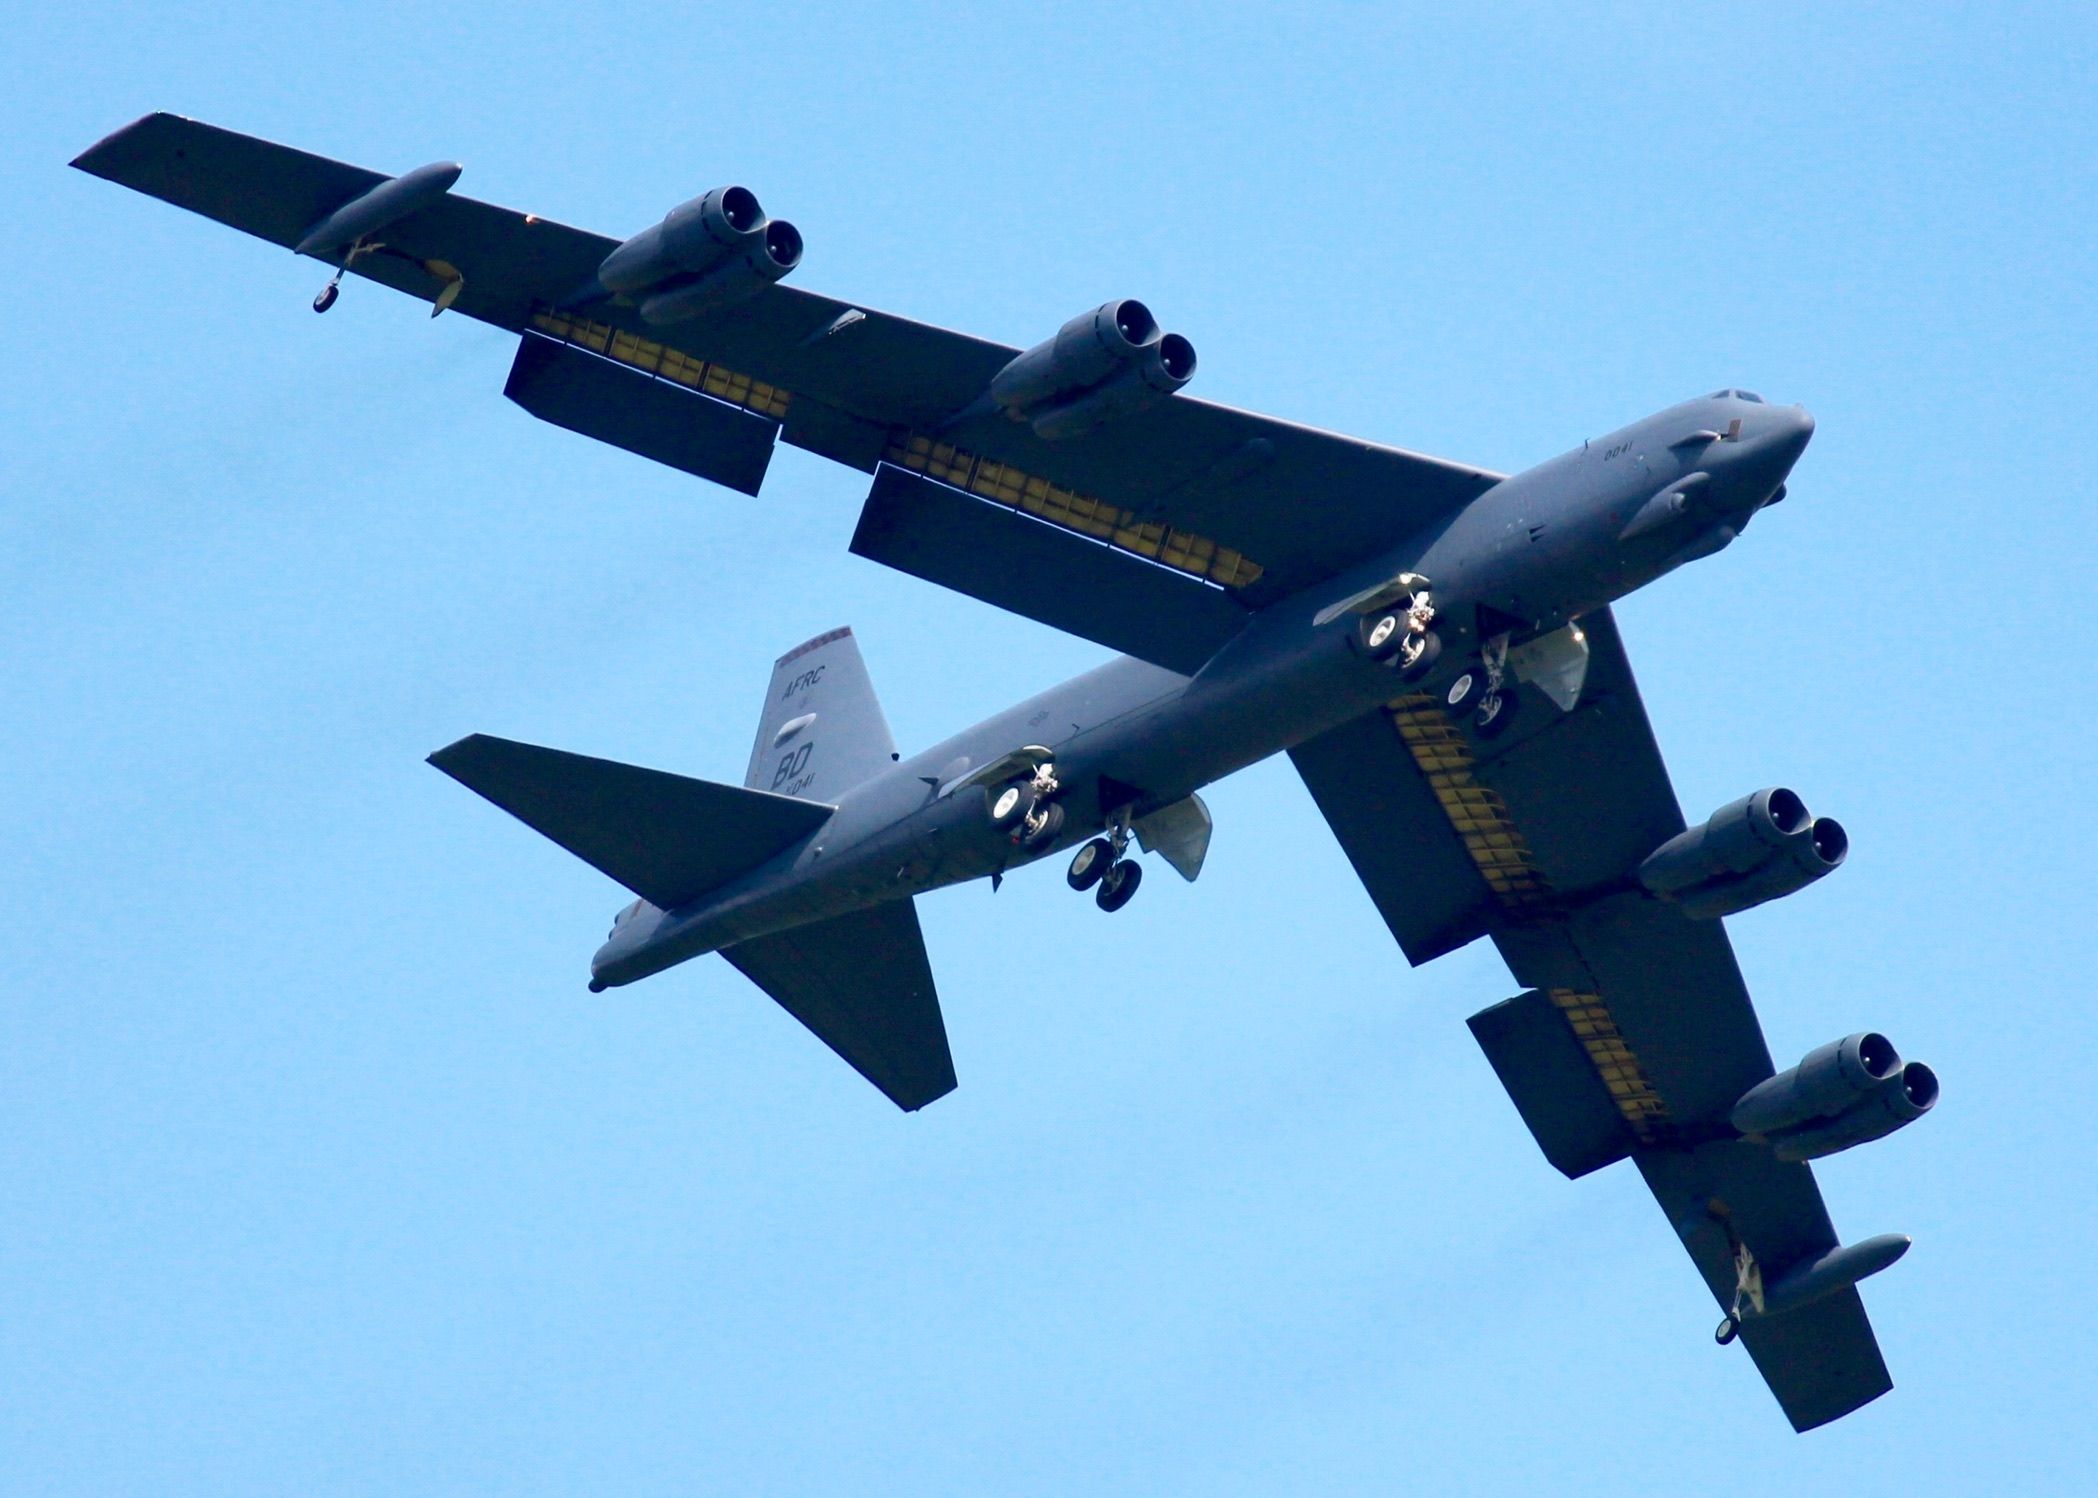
{"points": [[1101, 366], [711, 252], [1747, 852], [1847, 1092]]}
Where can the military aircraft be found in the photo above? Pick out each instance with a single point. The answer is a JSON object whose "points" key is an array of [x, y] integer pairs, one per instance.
{"points": [[1429, 642]]}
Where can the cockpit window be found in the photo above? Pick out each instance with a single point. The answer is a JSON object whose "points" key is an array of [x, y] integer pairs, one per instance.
{"points": [[1739, 395]]}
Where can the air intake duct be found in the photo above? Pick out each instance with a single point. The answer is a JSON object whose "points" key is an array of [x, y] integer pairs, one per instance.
{"points": [[1101, 366], [1847, 1092], [716, 250], [1747, 852]]}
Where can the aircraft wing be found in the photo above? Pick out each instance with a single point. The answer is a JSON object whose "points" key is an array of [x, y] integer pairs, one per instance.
{"points": [[1636, 1034], [1247, 508]]}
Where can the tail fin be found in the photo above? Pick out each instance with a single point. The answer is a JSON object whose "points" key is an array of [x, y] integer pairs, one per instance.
{"points": [[666, 838], [822, 731]]}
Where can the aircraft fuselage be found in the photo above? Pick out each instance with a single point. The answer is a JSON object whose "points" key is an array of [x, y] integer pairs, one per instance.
{"points": [[1530, 555]]}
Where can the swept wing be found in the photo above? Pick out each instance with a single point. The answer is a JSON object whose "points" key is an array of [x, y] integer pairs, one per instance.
{"points": [[1248, 507], [1636, 1034]]}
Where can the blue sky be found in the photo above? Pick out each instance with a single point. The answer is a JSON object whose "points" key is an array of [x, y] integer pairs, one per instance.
{"points": [[324, 1174]]}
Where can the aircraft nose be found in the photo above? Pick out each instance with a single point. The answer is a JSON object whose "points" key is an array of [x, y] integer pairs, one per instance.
{"points": [[1802, 429], [1787, 439]]}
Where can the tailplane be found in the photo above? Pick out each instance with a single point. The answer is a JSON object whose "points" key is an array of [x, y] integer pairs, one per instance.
{"points": [[862, 984], [666, 838], [822, 731]]}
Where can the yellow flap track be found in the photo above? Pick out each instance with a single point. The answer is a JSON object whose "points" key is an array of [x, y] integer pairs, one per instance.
{"points": [[1195, 555], [664, 362], [1476, 811], [1614, 1062], [1504, 860]]}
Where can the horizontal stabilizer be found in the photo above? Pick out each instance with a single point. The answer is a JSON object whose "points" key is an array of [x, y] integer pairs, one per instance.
{"points": [[1553, 1083], [666, 838], [862, 985]]}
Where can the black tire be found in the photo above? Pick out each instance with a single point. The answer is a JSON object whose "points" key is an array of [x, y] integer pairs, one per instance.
{"points": [[1496, 712], [1041, 835], [1463, 694], [1118, 888], [1008, 805], [1426, 650], [1728, 1330], [1380, 634], [1089, 865], [327, 297]]}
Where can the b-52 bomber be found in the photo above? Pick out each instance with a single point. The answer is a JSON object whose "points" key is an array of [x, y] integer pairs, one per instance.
{"points": [[1430, 643]]}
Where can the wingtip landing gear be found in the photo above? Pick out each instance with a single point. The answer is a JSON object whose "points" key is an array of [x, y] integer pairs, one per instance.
{"points": [[333, 289], [1729, 1329]]}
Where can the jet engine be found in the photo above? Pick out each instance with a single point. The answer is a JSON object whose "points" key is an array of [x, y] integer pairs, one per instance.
{"points": [[1749, 851], [1101, 366], [711, 252], [1847, 1092]]}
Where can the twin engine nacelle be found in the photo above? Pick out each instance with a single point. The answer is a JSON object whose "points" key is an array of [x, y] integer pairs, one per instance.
{"points": [[1844, 1093], [711, 252], [1101, 366], [1750, 851]]}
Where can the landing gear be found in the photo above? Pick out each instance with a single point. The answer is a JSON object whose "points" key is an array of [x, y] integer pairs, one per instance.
{"points": [[1041, 829], [1118, 885], [1023, 809], [1100, 866], [1748, 1288], [1417, 657], [1496, 710], [1401, 637], [1485, 691], [1089, 865], [333, 289], [1010, 806]]}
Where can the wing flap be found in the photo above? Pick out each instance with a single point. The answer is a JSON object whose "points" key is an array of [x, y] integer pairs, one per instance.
{"points": [[655, 418], [1552, 1084], [1389, 818], [1291, 503], [1006, 558], [666, 838], [862, 985]]}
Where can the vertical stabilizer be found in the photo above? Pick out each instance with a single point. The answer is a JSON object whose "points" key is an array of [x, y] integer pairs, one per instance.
{"points": [[822, 731]]}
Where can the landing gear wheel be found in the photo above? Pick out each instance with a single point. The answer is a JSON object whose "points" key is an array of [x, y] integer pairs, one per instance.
{"points": [[1381, 635], [1417, 657], [1041, 829], [1496, 712], [1009, 806], [327, 296], [1728, 1330], [1089, 865], [1465, 692], [1118, 886]]}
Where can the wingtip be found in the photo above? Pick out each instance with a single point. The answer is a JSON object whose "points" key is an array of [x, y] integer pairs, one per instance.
{"points": [[449, 755], [88, 160]]}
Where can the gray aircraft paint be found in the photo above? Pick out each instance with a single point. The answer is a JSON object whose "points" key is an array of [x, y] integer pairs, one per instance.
{"points": [[1635, 1035], [1542, 546]]}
